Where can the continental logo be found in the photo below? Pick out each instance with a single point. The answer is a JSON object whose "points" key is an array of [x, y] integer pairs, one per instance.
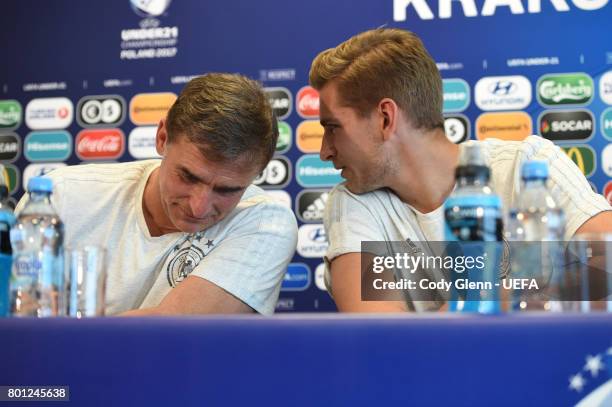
{"points": [[11, 175], [456, 95], [606, 123], [457, 128], [277, 174], [307, 102], [10, 146], [504, 126], [310, 171], [565, 89], [285, 135], [503, 93], [280, 100], [310, 136], [48, 146], [10, 114], [583, 156], [101, 110], [150, 108], [606, 160], [562, 125]]}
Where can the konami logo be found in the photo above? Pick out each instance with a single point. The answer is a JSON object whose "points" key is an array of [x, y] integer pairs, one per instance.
{"points": [[104, 144], [307, 102]]}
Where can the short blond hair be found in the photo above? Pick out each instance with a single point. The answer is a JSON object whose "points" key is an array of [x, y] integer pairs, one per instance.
{"points": [[384, 63]]}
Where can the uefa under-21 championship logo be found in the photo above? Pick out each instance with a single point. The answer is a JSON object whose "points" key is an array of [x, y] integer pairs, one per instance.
{"points": [[150, 8]]}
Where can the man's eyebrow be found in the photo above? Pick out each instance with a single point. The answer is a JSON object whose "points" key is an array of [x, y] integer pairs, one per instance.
{"points": [[326, 121], [227, 189], [217, 188]]}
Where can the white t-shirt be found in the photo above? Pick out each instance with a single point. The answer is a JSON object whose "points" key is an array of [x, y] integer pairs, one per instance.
{"points": [[382, 216], [246, 253]]}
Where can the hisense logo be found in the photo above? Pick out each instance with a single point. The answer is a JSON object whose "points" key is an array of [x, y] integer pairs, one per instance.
{"points": [[424, 11]]}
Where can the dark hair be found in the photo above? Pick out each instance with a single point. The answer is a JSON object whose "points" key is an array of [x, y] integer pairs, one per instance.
{"points": [[227, 116]]}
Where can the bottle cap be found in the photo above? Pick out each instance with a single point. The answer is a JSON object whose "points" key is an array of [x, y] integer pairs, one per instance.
{"points": [[534, 169], [40, 184]]}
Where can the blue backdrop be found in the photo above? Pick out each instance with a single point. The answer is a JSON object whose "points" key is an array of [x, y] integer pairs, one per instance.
{"points": [[108, 52]]}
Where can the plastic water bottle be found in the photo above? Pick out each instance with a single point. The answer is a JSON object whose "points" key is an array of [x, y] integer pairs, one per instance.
{"points": [[474, 221], [7, 220], [535, 227], [38, 280]]}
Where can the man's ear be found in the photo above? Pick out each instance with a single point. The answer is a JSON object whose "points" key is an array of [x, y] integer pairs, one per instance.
{"points": [[389, 114], [161, 138]]}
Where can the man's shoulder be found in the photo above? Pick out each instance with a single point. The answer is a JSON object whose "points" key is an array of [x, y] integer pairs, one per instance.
{"points": [[341, 194], [255, 202], [531, 148], [107, 172]]}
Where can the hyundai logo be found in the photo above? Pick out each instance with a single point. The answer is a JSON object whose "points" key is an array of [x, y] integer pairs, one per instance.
{"points": [[318, 235], [502, 88]]}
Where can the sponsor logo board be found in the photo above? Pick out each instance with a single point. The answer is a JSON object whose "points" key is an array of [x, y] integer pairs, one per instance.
{"points": [[583, 156], [48, 146], [11, 176], [150, 108], [505, 126], [606, 160], [9, 147], [456, 95], [100, 144], [280, 100], [285, 134], [312, 172], [457, 128], [607, 192], [36, 169], [606, 123], [319, 277], [310, 205], [49, 113], [297, 277], [309, 136], [141, 143], [277, 174], [502, 93], [565, 89], [561, 125], [10, 114], [101, 110], [312, 241], [605, 88], [307, 102]]}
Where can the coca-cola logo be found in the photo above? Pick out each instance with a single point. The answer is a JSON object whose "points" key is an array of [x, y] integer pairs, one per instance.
{"points": [[106, 144], [308, 102]]}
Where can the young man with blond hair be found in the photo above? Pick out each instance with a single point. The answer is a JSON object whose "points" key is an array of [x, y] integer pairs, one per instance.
{"points": [[381, 108]]}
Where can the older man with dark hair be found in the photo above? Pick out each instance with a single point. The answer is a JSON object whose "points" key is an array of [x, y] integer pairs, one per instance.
{"points": [[188, 234]]}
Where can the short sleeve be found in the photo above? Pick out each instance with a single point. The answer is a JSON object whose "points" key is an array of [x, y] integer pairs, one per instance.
{"points": [[348, 221], [251, 260]]}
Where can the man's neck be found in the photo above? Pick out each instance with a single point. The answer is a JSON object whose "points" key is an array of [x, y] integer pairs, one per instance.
{"points": [[154, 215], [426, 175]]}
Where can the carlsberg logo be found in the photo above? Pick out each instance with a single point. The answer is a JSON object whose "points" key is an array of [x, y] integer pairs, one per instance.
{"points": [[565, 89], [423, 9]]}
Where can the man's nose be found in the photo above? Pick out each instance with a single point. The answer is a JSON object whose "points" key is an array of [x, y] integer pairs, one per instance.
{"points": [[328, 151], [200, 201]]}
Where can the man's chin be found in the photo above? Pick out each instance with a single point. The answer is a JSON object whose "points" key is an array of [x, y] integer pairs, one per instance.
{"points": [[357, 188]]}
